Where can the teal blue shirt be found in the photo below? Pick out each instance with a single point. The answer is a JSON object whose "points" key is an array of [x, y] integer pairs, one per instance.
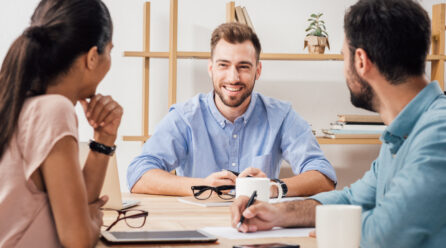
{"points": [[403, 195]]}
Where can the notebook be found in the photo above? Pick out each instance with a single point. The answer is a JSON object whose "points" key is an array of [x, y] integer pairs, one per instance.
{"points": [[111, 185]]}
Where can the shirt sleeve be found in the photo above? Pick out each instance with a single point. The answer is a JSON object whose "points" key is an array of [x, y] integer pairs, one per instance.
{"points": [[300, 148], [43, 122], [165, 149], [362, 192]]}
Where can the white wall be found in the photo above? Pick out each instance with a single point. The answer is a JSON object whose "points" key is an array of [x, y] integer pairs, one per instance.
{"points": [[316, 90]]}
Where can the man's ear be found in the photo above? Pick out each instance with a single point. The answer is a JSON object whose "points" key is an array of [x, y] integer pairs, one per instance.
{"points": [[92, 58], [258, 70], [362, 62], [210, 67]]}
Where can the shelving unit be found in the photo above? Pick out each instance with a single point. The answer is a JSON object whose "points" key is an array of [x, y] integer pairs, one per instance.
{"points": [[437, 58]]}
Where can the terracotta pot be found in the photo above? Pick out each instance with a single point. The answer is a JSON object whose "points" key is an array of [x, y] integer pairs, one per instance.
{"points": [[316, 44]]}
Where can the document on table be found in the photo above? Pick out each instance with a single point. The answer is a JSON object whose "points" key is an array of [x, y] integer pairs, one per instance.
{"points": [[217, 202], [276, 232]]}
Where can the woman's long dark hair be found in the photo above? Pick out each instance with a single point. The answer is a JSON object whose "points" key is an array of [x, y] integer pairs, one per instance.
{"points": [[60, 31]]}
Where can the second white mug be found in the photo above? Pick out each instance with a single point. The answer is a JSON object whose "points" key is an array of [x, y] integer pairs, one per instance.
{"points": [[338, 226]]}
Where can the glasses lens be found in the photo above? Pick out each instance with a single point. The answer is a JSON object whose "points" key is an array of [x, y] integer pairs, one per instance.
{"points": [[226, 196], [202, 193], [135, 218]]}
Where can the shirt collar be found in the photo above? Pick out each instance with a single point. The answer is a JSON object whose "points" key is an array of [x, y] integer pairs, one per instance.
{"points": [[402, 125], [221, 119]]}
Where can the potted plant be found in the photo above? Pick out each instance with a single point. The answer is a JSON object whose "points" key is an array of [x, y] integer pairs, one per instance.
{"points": [[317, 36]]}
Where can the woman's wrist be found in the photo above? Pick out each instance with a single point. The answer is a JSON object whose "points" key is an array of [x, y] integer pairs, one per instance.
{"points": [[108, 140]]}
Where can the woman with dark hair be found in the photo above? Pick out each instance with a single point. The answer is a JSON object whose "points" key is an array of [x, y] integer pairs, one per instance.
{"points": [[45, 197]]}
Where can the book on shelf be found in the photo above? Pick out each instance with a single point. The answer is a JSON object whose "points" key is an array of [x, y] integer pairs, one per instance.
{"points": [[239, 16], [360, 119], [363, 127], [248, 19], [351, 134]]}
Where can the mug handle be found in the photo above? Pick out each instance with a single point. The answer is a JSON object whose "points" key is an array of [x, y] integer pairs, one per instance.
{"points": [[279, 187]]}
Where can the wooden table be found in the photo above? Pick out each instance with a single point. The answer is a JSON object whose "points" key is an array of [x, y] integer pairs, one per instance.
{"points": [[167, 213]]}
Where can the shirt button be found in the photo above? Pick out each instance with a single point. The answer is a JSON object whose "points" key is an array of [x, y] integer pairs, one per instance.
{"points": [[234, 164], [235, 136]]}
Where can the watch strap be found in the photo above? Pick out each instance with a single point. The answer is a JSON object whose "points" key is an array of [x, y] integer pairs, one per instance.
{"points": [[283, 185], [101, 148]]}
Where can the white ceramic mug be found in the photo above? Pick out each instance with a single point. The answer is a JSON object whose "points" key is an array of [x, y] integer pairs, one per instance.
{"points": [[247, 185], [338, 226]]}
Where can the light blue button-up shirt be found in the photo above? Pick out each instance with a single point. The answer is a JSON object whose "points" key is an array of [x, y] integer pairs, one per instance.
{"points": [[196, 140], [403, 196]]}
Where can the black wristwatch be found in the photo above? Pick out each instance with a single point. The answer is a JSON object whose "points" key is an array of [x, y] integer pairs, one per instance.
{"points": [[98, 147], [282, 184]]}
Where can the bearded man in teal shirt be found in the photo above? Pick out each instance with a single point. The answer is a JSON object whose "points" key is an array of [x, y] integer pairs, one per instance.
{"points": [[402, 196]]}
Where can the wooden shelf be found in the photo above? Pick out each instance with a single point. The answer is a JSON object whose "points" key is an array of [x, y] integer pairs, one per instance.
{"points": [[263, 56], [135, 138], [437, 59], [325, 141]]}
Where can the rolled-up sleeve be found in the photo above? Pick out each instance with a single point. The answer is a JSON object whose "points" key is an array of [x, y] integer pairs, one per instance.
{"points": [[300, 148], [164, 150], [362, 192]]}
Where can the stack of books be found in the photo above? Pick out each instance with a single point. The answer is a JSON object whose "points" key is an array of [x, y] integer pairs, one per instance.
{"points": [[355, 127], [241, 16]]}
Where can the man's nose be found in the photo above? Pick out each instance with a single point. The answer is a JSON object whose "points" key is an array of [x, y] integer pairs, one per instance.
{"points": [[233, 75]]}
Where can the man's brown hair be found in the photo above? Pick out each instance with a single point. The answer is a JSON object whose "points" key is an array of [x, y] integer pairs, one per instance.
{"points": [[235, 33]]}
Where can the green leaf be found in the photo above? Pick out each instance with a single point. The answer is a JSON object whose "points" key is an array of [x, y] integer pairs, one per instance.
{"points": [[320, 14], [308, 29], [314, 15]]}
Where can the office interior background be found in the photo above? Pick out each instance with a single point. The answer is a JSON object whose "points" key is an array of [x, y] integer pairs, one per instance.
{"points": [[316, 89]]}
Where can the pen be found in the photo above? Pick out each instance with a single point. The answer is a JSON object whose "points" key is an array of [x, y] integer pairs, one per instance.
{"points": [[250, 202], [233, 172], [236, 173]]}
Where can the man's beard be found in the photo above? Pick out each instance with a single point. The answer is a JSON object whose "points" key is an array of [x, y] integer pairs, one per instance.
{"points": [[231, 103], [363, 99]]}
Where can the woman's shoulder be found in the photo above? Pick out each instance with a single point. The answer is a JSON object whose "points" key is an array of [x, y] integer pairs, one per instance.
{"points": [[48, 102], [50, 114]]}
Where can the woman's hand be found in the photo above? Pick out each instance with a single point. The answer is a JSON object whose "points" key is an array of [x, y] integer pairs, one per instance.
{"points": [[104, 115], [95, 210]]}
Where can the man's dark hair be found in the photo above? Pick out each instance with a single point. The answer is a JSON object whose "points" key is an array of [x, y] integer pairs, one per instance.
{"points": [[394, 33], [235, 33]]}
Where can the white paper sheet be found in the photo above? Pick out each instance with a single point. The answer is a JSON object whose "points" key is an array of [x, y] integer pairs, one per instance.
{"points": [[232, 233]]}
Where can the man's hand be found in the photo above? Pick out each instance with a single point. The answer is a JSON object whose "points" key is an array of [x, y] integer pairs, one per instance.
{"points": [[220, 178], [252, 172], [104, 115], [260, 216]]}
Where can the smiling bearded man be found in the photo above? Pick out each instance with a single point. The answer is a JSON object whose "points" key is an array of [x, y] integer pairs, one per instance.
{"points": [[232, 130]]}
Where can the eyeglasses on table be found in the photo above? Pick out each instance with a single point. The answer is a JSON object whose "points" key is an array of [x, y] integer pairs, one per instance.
{"points": [[134, 218], [203, 192]]}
